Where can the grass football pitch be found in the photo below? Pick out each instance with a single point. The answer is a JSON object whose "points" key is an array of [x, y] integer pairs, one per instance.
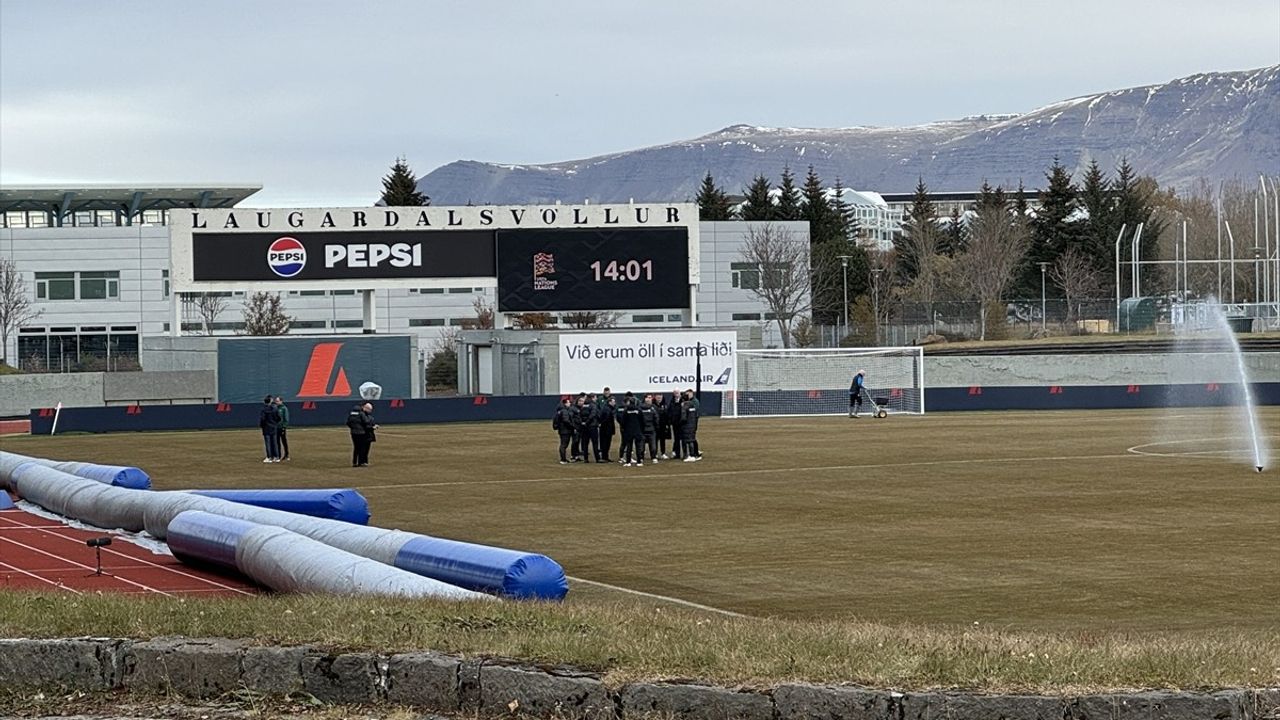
{"points": [[1077, 522]]}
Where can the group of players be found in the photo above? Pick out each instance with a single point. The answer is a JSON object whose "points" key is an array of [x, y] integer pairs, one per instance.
{"points": [[588, 423]]}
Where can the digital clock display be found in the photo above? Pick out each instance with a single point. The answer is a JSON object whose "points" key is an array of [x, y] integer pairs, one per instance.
{"points": [[593, 269]]}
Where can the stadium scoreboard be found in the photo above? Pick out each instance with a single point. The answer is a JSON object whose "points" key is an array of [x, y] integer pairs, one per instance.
{"points": [[597, 269], [540, 258]]}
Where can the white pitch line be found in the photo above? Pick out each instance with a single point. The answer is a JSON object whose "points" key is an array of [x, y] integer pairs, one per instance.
{"points": [[624, 475], [664, 598]]}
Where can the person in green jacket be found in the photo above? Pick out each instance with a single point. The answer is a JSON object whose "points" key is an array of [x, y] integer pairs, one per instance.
{"points": [[282, 430]]}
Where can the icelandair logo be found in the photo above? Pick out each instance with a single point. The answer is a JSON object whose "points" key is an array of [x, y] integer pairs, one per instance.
{"points": [[324, 377]]}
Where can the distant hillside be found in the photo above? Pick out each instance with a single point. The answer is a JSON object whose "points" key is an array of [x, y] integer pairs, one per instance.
{"points": [[1212, 125]]}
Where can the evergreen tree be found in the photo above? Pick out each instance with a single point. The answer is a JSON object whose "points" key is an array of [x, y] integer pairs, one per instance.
{"points": [[846, 223], [1053, 229], [788, 207], [921, 218], [1135, 204], [1020, 206], [817, 210], [1100, 229], [955, 236], [400, 187], [713, 203], [990, 198], [758, 205]]}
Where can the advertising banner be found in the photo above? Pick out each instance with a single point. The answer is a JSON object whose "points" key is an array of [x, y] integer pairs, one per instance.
{"points": [[313, 368], [647, 361]]}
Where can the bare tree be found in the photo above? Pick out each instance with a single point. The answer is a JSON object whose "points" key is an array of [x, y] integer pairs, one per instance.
{"points": [[591, 320], [997, 244], [781, 279], [533, 321], [484, 316], [264, 315], [1074, 272], [208, 306], [15, 305]]}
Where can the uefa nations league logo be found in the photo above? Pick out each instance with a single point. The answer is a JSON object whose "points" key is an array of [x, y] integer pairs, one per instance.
{"points": [[286, 257], [544, 265]]}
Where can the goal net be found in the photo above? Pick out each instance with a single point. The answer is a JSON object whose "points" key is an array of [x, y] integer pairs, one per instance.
{"points": [[815, 381]]}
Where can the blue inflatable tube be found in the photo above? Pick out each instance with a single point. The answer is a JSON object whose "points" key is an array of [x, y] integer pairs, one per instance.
{"points": [[346, 504], [118, 475], [509, 573]]}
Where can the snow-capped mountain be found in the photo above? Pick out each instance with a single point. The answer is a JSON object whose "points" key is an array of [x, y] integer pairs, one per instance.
{"points": [[1212, 126]]}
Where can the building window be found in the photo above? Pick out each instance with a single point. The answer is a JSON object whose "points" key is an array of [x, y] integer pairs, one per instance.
{"points": [[428, 291], [56, 286], [306, 325], [742, 317], [311, 293], [646, 318], [164, 276], [674, 317], [348, 323], [749, 276], [342, 292], [426, 322], [745, 275], [460, 291], [99, 285]]}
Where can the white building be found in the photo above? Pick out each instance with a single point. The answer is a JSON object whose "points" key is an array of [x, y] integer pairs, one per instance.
{"points": [[878, 222], [95, 261]]}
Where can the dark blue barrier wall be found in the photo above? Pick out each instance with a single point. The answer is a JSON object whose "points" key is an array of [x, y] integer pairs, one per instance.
{"points": [[540, 407], [313, 368], [304, 414]]}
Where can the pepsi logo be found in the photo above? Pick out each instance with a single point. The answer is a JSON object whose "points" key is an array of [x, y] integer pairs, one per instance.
{"points": [[286, 257]]}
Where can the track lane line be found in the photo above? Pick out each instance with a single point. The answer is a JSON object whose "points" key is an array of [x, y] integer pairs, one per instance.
{"points": [[143, 560], [35, 576]]}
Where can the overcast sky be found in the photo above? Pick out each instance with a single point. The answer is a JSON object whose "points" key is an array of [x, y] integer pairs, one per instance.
{"points": [[315, 100]]}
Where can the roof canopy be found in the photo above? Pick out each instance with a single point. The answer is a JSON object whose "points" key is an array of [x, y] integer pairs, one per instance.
{"points": [[62, 200]]}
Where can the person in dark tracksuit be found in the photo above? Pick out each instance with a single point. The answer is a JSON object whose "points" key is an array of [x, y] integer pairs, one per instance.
{"points": [[689, 427], [649, 428], [855, 393], [664, 425], [282, 432], [675, 418], [579, 427], [593, 427], [360, 422], [562, 422], [608, 426], [631, 453], [269, 421], [588, 426]]}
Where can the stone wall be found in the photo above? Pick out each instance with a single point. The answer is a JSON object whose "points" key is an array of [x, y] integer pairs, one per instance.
{"points": [[1114, 369], [20, 393], [209, 668]]}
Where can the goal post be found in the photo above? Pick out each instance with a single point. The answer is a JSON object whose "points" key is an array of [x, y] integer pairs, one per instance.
{"points": [[815, 381]]}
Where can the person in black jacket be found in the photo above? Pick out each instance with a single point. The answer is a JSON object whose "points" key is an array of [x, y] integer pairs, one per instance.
{"points": [[360, 422], [593, 428], [563, 424], [649, 428], [675, 418], [631, 450], [664, 425], [608, 427], [269, 422], [689, 427]]}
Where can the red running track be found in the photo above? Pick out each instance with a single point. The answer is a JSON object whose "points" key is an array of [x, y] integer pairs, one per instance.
{"points": [[41, 554]]}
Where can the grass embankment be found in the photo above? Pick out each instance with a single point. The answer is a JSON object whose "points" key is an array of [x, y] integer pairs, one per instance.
{"points": [[630, 641]]}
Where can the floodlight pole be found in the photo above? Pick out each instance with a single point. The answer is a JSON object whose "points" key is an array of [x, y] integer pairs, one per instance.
{"points": [[1119, 237], [1043, 265], [844, 265], [875, 301]]}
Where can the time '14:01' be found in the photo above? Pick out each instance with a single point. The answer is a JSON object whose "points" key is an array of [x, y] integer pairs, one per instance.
{"points": [[631, 270]]}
